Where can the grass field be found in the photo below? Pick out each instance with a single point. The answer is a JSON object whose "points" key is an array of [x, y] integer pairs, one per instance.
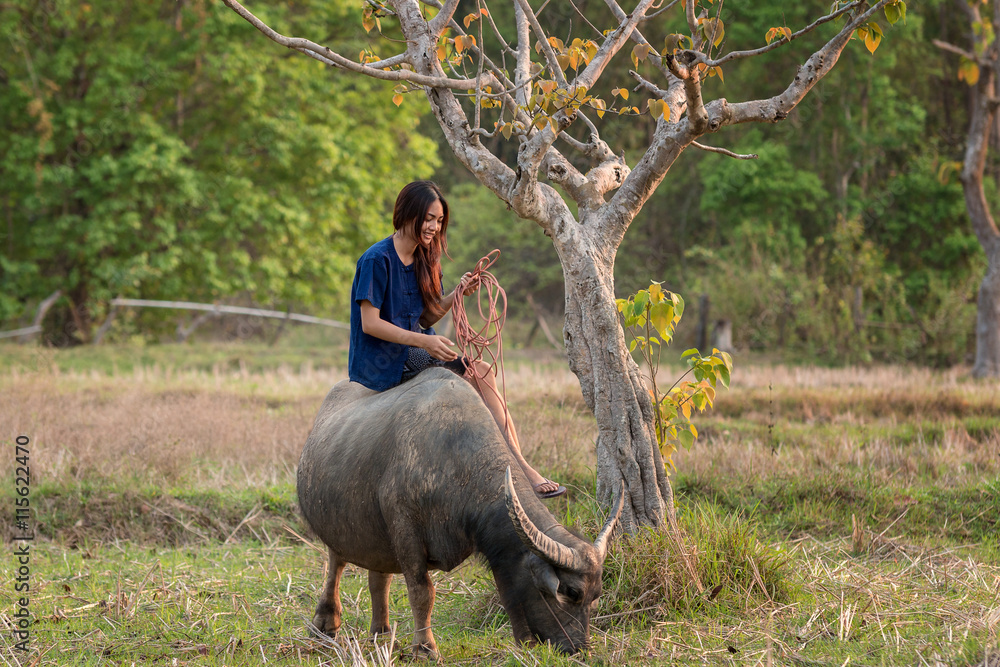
{"points": [[830, 516]]}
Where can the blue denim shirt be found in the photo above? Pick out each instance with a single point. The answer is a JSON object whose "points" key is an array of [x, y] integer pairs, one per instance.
{"points": [[382, 279]]}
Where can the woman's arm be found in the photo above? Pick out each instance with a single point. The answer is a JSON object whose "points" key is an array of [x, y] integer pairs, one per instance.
{"points": [[372, 324]]}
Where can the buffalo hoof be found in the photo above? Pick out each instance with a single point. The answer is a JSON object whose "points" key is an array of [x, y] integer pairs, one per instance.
{"points": [[426, 652], [324, 624]]}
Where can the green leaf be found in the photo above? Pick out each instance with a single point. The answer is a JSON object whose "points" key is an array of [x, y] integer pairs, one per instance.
{"points": [[631, 346], [639, 303], [724, 376], [689, 352], [685, 438], [892, 13]]}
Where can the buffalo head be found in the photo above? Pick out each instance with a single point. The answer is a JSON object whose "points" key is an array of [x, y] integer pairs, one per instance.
{"points": [[562, 582]]}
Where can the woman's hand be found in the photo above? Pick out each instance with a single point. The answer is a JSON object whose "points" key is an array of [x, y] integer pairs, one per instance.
{"points": [[468, 284], [439, 347]]}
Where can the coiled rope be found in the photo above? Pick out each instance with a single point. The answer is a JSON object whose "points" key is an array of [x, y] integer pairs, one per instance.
{"points": [[475, 344]]}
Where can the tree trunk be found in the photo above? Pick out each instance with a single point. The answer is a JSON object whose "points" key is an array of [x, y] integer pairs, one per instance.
{"points": [[987, 364], [984, 108], [614, 390]]}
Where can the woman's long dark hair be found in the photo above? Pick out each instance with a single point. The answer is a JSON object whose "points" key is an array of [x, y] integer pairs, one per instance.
{"points": [[411, 208]]}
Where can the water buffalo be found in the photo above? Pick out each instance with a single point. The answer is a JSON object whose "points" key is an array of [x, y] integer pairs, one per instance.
{"points": [[418, 478]]}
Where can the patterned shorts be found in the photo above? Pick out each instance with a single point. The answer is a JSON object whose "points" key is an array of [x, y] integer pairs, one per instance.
{"points": [[420, 359]]}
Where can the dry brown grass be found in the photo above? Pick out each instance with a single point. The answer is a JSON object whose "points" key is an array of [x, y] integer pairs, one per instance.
{"points": [[896, 423], [245, 428], [201, 428], [241, 427]]}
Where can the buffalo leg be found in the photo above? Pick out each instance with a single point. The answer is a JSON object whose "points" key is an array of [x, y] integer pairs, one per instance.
{"points": [[329, 610], [420, 591], [378, 587]]}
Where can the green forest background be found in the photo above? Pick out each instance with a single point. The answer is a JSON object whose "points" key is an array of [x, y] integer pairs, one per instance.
{"points": [[166, 150]]}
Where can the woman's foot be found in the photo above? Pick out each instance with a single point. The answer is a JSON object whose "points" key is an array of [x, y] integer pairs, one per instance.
{"points": [[548, 489]]}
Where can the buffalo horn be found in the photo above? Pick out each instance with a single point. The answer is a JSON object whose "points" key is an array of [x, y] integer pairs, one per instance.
{"points": [[601, 542], [541, 544]]}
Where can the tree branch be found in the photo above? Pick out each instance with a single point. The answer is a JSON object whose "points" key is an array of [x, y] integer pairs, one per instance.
{"points": [[329, 57], [550, 55], [522, 67], [815, 68], [437, 24], [723, 151], [692, 22], [650, 17], [612, 45], [684, 67], [648, 85], [675, 94], [951, 48], [735, 55]]}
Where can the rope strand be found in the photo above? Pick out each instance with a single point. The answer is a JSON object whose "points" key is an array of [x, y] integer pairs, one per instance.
{"points": [[475, 344]]}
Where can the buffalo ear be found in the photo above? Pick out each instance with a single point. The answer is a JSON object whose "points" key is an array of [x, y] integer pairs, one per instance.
{"points": [[544, 577]]}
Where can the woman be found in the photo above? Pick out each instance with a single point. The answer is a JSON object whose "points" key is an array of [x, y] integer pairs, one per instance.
{"points": [[397, 294]]}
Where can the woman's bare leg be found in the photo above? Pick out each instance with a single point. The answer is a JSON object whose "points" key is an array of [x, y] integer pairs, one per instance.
{"points": [[487, 388]]}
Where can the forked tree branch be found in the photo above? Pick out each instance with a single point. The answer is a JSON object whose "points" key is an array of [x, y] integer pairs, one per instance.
{"points": [[809, 74], [670, 139], [674, 95], [437, 24], [611, 46]]}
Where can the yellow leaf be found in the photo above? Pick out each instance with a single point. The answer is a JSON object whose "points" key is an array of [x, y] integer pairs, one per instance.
{"points": [[968, 71], [469, 18], [539, 121], [507, 129], [872, 41], [655, 293], [600, 105], [397, 99], [547, 86], [442, 51]]}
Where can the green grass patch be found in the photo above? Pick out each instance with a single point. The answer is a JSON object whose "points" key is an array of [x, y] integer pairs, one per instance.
{"points": [[125, 358], [102, 512]]}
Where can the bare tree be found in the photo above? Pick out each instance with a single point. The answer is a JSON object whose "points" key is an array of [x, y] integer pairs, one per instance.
{"points": [[538, 103], [979, 69]]}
